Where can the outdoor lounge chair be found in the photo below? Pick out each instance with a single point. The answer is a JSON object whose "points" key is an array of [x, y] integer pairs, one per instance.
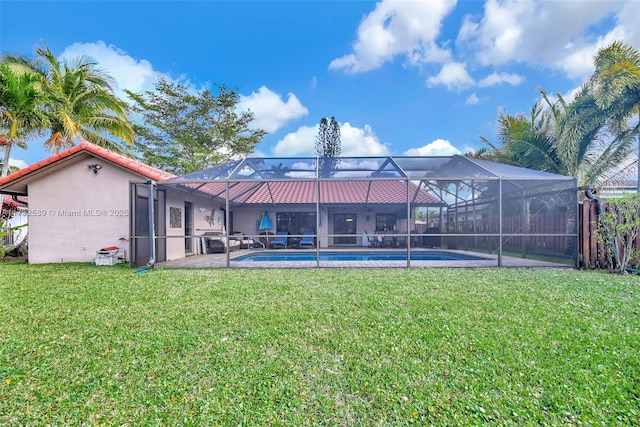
{"points": [[308, 239], [215, 242], [246, 242], [281, 239]]}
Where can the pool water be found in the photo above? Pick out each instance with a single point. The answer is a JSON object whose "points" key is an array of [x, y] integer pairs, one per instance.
{"points": [[357, 256]]}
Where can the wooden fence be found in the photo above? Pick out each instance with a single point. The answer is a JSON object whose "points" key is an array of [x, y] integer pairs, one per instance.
{"points": [[591, 253]]}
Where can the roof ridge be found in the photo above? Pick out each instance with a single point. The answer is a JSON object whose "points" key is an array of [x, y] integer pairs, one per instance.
{"points": [[129, 163]]}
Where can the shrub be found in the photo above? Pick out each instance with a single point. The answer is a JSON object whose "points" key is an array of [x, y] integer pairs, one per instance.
{"points": [[618, 228]]}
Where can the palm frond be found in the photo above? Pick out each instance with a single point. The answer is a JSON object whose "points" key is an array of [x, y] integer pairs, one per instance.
{"points": [[80, 99], [617, 72], [57, 142]]}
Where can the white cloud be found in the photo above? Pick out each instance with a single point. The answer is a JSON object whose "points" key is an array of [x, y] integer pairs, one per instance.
{"points": [[355, 142], [20, 164], [556, 35], [510, 31], [361, 141], [468, 149], [439, 147], [472, 99], [498, 33], [299, 143], [129, 73], [578, 60], [271, 112], [257, 153], [627, 22], [453, 75], [408, 28], [497, 78]]}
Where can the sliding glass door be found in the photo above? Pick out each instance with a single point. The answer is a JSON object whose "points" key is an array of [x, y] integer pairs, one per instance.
{"points": [[344, 224]]}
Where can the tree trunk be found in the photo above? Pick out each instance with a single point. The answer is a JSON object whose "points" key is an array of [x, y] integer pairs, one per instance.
{"points": [[5, 162], [638, 163]]}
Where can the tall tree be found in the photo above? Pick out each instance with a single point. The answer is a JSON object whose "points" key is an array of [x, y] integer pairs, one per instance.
{"points": [[184, 130], [328, 142], [615, 84], [328, 145], [20, 111], [81, 102]]}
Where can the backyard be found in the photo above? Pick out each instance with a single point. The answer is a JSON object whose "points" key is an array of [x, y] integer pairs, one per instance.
{"points": [[90, 345]]}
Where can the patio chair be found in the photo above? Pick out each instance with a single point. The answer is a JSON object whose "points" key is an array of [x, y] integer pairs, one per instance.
{"points": [[375, 241], [214, 242], [281, 239], [245, 241], [308, 239]]}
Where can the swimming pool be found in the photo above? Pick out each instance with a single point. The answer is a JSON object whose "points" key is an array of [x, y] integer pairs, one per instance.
{"points": [[357, 256]]}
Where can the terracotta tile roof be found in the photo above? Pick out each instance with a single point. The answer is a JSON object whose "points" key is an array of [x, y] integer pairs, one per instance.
{"points": [[126, 162], [304, 192], [23, 201]]}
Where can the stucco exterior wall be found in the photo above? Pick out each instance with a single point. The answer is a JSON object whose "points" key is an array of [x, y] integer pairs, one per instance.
{"points": [[244, 220], [175, 246], [201, 208], [74, 212]]}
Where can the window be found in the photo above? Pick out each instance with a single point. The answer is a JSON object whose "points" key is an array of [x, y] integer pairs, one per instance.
{"points": [[385, 221], [296, 222]]}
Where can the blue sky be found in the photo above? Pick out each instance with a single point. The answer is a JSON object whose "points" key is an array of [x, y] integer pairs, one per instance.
{"points": [[401, 77]]}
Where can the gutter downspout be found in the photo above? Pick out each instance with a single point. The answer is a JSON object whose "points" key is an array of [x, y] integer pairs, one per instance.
{"points": [[600, 210], [152, 235]]}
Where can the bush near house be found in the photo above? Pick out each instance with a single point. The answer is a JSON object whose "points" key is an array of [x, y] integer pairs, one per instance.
{"points": [[618, 228]]}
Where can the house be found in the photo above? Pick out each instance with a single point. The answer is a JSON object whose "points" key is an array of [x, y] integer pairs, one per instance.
{"points": [[78, 201], [618, 189], [88, 198], [15, 227]]}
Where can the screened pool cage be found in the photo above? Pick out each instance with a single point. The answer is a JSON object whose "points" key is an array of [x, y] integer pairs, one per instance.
{"points": [[488, 213]]}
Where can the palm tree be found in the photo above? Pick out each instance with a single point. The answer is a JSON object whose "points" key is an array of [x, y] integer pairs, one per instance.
{"points": [[526, 141], [615, 84], [587, 146], [20, 110], [81, 101], [563, 138]]}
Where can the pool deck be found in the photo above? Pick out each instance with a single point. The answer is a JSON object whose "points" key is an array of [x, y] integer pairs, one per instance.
{"points": [[220, 260]]}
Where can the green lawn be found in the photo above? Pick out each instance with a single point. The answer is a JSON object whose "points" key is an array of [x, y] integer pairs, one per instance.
{"points": [[90, 345]]}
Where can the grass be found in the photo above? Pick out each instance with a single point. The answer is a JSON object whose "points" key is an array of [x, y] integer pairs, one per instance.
{"points": [[100, 345]]}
